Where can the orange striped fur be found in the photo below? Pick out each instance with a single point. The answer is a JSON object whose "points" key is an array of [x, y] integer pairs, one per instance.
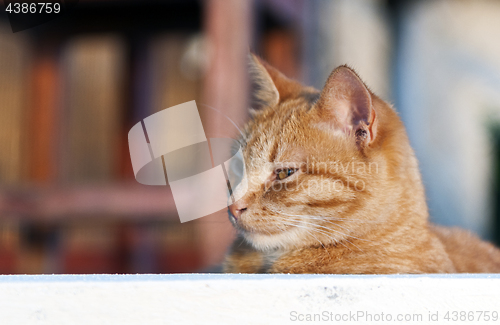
{"points": [[354, 200]]}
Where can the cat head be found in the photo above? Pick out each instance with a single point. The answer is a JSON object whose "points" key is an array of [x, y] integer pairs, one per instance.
{"points": [[321, 167]]}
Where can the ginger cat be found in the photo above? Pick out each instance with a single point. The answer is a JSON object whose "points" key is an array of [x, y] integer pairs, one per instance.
{"points": [[333, 186]]}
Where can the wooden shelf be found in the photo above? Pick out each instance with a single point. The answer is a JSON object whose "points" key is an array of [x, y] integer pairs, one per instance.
{"points": [[133, 201]]}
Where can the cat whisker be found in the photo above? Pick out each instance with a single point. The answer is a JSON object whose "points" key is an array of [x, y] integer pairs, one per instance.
{"points": [[342, 219], [321, 219], [337, 225], [227, 117], [325, 233], [319, 231], [329, 235], [339, 232], [326, 250]]}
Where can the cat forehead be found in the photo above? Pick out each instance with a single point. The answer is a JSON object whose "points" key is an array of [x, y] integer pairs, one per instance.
{"points": [[279, 116], [294, 140], [276, 140]]}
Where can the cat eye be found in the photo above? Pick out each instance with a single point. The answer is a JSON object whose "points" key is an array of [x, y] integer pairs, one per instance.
{"points": [[284, 173]]}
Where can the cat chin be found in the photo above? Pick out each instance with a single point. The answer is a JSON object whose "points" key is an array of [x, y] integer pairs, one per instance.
{"points": [[285, 240]]}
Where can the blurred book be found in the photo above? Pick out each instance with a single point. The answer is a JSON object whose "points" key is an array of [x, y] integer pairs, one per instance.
{"points": [[14, 89], [43, 124], [179, 247], [129, 247], [90, 246], [178, 62], [280, 47], [93, 74], [9, 246]]}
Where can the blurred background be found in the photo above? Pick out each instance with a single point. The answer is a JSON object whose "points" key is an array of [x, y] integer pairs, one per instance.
{"points": [[71, 89]]}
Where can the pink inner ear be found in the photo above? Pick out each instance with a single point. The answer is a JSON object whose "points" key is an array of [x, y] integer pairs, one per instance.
{"points": [[347, 98]]}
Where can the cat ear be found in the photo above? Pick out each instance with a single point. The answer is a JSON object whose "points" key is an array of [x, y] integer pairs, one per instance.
{"points": [[347, 102], [263, 91], [269, 86]]}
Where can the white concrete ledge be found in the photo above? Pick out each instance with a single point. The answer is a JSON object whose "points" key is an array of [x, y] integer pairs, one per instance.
{"points": [[248, 299]]}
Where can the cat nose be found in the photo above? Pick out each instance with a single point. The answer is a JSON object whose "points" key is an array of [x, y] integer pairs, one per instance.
{"points": [[238, 208]]}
